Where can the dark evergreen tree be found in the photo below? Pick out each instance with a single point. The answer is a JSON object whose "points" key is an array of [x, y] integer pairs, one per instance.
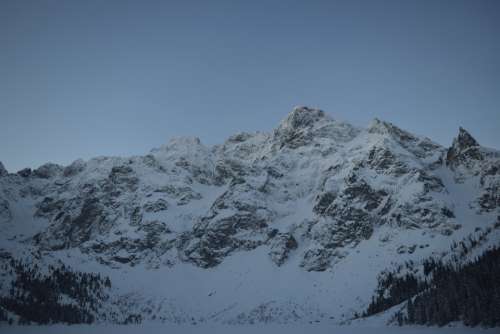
{"points": [[36, 297], [470, 293]]}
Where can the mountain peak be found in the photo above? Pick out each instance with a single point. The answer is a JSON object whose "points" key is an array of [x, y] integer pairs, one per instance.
{"points": [[302, 117], [464, 146], [184, 140], [378, 126], [386, 128], [464, 140]]}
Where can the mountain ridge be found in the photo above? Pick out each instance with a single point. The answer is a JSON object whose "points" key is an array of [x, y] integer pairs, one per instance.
{"points": [[310, 200]]}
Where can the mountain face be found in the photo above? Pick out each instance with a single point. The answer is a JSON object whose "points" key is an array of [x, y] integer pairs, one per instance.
{"points": [[292, 225]]}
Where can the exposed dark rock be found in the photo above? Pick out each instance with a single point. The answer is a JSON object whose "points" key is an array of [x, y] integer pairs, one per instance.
{"points": [[91, 218], [272, 233], [48, 170], [132, 251], [5, 214], [124, 176], [136, 216], [184, 195], [490, 198], [273, 172], [293, 131], [447, 212], [26, 172], [323, 201], [302, 117], [154, 227], [317, 259], [402, 249], [281, 245], [464, 148], [359, 192], [384, 161], [3, 171], [230, 168], [382, 127], [76, 167], [239, 138], [156, 206], [216, 238], [420, 214], [49, 208], [69, 231], [431, 183], [365, 193], [420, 147]]}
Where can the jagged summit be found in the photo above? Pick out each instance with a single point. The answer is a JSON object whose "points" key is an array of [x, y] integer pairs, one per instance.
{"points": [[48, 170], [377, 125], [302, 117], [189, 140], [386, 128], [464, 149], [305, 125], [464, 140], [180, 145], [315, 195]]}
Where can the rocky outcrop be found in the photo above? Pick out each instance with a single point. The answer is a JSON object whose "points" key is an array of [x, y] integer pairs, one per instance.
{"points": [[183, 195], [70, 231], [489, 199], [48, 171], [156, 206], [5, 213], [74, 168], [317, 259], [214, 238], [3, 171], [124, 178], [294, 131], [463, 150], [26, 172], [280, 247], [311, 190]]}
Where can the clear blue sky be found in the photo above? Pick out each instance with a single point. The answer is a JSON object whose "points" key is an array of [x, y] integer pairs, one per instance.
{"points": [[87, 78]]}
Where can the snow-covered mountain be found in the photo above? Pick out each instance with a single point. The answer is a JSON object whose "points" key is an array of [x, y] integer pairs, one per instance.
{"points": [[289, 226]]}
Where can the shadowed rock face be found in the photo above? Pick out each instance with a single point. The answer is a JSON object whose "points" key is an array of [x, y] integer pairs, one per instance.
{"points": [[80, 228], [311, 190], [295, 130], [281, 246], [75, 168], [3, 171], [124, 177], [302, 117], [463, 149], [24, 172], [5, 214], [48, 170]]}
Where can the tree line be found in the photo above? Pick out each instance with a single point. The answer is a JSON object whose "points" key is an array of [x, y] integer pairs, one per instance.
{"points": [[448, 292], [57, 295]]}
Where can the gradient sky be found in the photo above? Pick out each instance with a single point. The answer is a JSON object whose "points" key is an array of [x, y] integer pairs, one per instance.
{"points": [[88, 78]]}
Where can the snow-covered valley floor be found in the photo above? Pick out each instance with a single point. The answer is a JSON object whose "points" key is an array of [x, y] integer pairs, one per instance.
{"points": [[221, 329], [247, 329]]}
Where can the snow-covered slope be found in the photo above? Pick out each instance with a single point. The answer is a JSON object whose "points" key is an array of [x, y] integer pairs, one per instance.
{"points": [[293, 225]]}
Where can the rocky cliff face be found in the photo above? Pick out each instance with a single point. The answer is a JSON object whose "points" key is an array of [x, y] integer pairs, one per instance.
{"points": [[312, 190]]}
